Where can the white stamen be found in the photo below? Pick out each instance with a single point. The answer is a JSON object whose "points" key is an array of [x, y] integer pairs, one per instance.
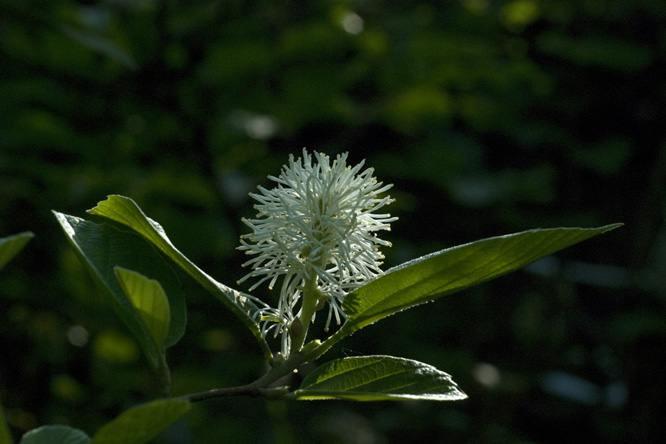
{"points": [[319, 221]]}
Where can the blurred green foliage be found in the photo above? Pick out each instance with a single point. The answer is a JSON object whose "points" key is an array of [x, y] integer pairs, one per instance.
{"points": [[489, 116]]}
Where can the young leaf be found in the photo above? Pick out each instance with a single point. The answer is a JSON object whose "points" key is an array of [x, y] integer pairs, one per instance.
{"points": [[5, 436], [149, 300], [142, 423], [124, 211], [55, 434], [447, 271], [378, 378], [103, 247], [11, 245]]}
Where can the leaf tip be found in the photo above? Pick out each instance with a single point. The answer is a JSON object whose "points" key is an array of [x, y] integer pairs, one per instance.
{"points": [[108, 201], [613, 226]]}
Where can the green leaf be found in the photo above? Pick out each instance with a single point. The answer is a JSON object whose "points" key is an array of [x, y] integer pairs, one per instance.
{"points": [[454, 269], [378, 378], [55, 434], [11, 245], [103, 247], [5, 435], [123, 210], [149, 300], [142, 423]]}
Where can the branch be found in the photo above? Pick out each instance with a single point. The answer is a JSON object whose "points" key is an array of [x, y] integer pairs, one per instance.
{"points": [[260, 387], [243, 390]]}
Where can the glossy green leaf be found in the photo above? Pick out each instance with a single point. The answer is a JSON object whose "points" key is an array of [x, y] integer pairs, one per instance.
{"points": [[5, 435], [55, 434], [378, 378], [103, 247], [142, 423], [124, 211], [149, 300], [447, 271], [11, 245]]}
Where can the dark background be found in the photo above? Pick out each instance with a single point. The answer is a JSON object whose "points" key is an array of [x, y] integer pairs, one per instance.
{"points": [[490, 117]]}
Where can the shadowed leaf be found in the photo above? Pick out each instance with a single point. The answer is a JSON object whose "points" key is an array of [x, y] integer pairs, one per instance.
{"points": [[55, 434], [102, 248], [10, 246], [124, 211], [5, 436]]}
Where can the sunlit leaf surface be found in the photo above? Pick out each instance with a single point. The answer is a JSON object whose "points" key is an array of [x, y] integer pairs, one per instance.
{"points": [[447, 271], [378, 378], [150, 302], [142, 423]]}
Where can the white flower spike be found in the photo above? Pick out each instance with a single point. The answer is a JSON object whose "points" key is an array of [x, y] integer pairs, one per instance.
{"points": [[316, 229]]}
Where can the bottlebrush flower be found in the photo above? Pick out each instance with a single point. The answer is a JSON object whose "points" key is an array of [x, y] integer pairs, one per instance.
{"points": [[317, 229]]}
